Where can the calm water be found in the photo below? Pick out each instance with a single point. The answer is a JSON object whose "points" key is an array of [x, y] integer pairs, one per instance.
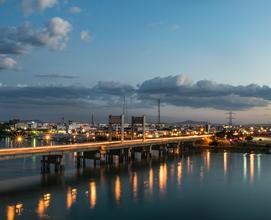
{"points": [[202, 185]]}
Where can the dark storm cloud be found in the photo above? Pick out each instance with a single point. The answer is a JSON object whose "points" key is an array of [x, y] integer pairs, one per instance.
{"points": [[180, 91], [56, 76], [63, 95], [172, 90], [113, 88]]}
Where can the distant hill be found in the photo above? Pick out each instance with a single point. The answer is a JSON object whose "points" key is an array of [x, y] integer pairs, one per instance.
{"points": [[191, 122]]}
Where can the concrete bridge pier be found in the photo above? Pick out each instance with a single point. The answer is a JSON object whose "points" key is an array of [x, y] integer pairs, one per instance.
{"points": [[163, 150], [187, 146], [173, 148], [129, 154], [109, 158], [47, 160], [147, 152], [80, 160]]}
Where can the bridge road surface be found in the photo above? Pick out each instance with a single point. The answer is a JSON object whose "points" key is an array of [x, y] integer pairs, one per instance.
{"points": [[92, 146]]}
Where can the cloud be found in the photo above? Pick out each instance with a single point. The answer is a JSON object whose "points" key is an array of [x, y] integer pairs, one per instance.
{"points": [[30, 6], [180, 91], [8, 63], [113, 88], [20, 40], [75, 10], [104, 93], [85, 36], [56, 76]]}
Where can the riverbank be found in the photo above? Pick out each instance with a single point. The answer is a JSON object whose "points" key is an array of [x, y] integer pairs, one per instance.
{"points": [[240, 147]]}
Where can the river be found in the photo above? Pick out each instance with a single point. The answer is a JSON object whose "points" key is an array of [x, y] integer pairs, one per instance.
{"points": [[197, 185]]}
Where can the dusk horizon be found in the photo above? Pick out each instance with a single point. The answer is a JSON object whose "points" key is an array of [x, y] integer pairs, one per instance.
{"points": [[135, 109], [163, 56]]}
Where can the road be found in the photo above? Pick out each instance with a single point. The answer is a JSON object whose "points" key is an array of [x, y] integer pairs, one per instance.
{"points": [[56, 149]]}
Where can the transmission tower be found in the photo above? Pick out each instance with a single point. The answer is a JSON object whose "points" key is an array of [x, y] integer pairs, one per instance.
{"points": [[124, 105], [92, 119], [159, 111], [230, 118]]}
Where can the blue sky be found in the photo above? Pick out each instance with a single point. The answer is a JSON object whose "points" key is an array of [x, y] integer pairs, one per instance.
{"points": [[131, 41]]}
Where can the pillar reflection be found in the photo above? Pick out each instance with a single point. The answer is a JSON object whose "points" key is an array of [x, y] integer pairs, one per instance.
{"points": [[179, 173], [208, 160], [259, 164], [162, 177], [10, 212], [188, 165], [92, 194], [117, 189], [14, 210], [43, 204], [252, 160], [71, 197], [135, 185], [245, 166], [151, 178], [225, 157]]}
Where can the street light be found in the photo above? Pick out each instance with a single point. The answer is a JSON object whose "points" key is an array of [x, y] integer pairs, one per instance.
{"points": [[19, 139], [47, 137]]}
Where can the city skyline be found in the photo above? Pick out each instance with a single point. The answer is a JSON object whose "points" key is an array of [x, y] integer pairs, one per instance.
{"points": [[71, 58]]}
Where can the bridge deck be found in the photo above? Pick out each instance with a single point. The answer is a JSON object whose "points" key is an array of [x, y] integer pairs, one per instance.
{"points": [[108, 145]]}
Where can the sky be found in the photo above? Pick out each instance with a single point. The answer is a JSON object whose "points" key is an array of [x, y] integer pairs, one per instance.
{"points": [[72, 58]]}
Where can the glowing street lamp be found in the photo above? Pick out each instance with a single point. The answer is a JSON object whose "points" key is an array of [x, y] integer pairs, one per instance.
{"points": [[47, 137], [19, 139]]}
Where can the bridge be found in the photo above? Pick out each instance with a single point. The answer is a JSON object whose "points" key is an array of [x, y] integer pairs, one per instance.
{"points": [[102, 152]]}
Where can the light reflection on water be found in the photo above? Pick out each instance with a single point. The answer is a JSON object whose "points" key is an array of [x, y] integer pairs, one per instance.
{"points": [[163, 177], [71, 197], [151, 180], [98, 193], [135, 185], [92, 194], [245, 166], [225, 158], [117, 189], [251, 168]]}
